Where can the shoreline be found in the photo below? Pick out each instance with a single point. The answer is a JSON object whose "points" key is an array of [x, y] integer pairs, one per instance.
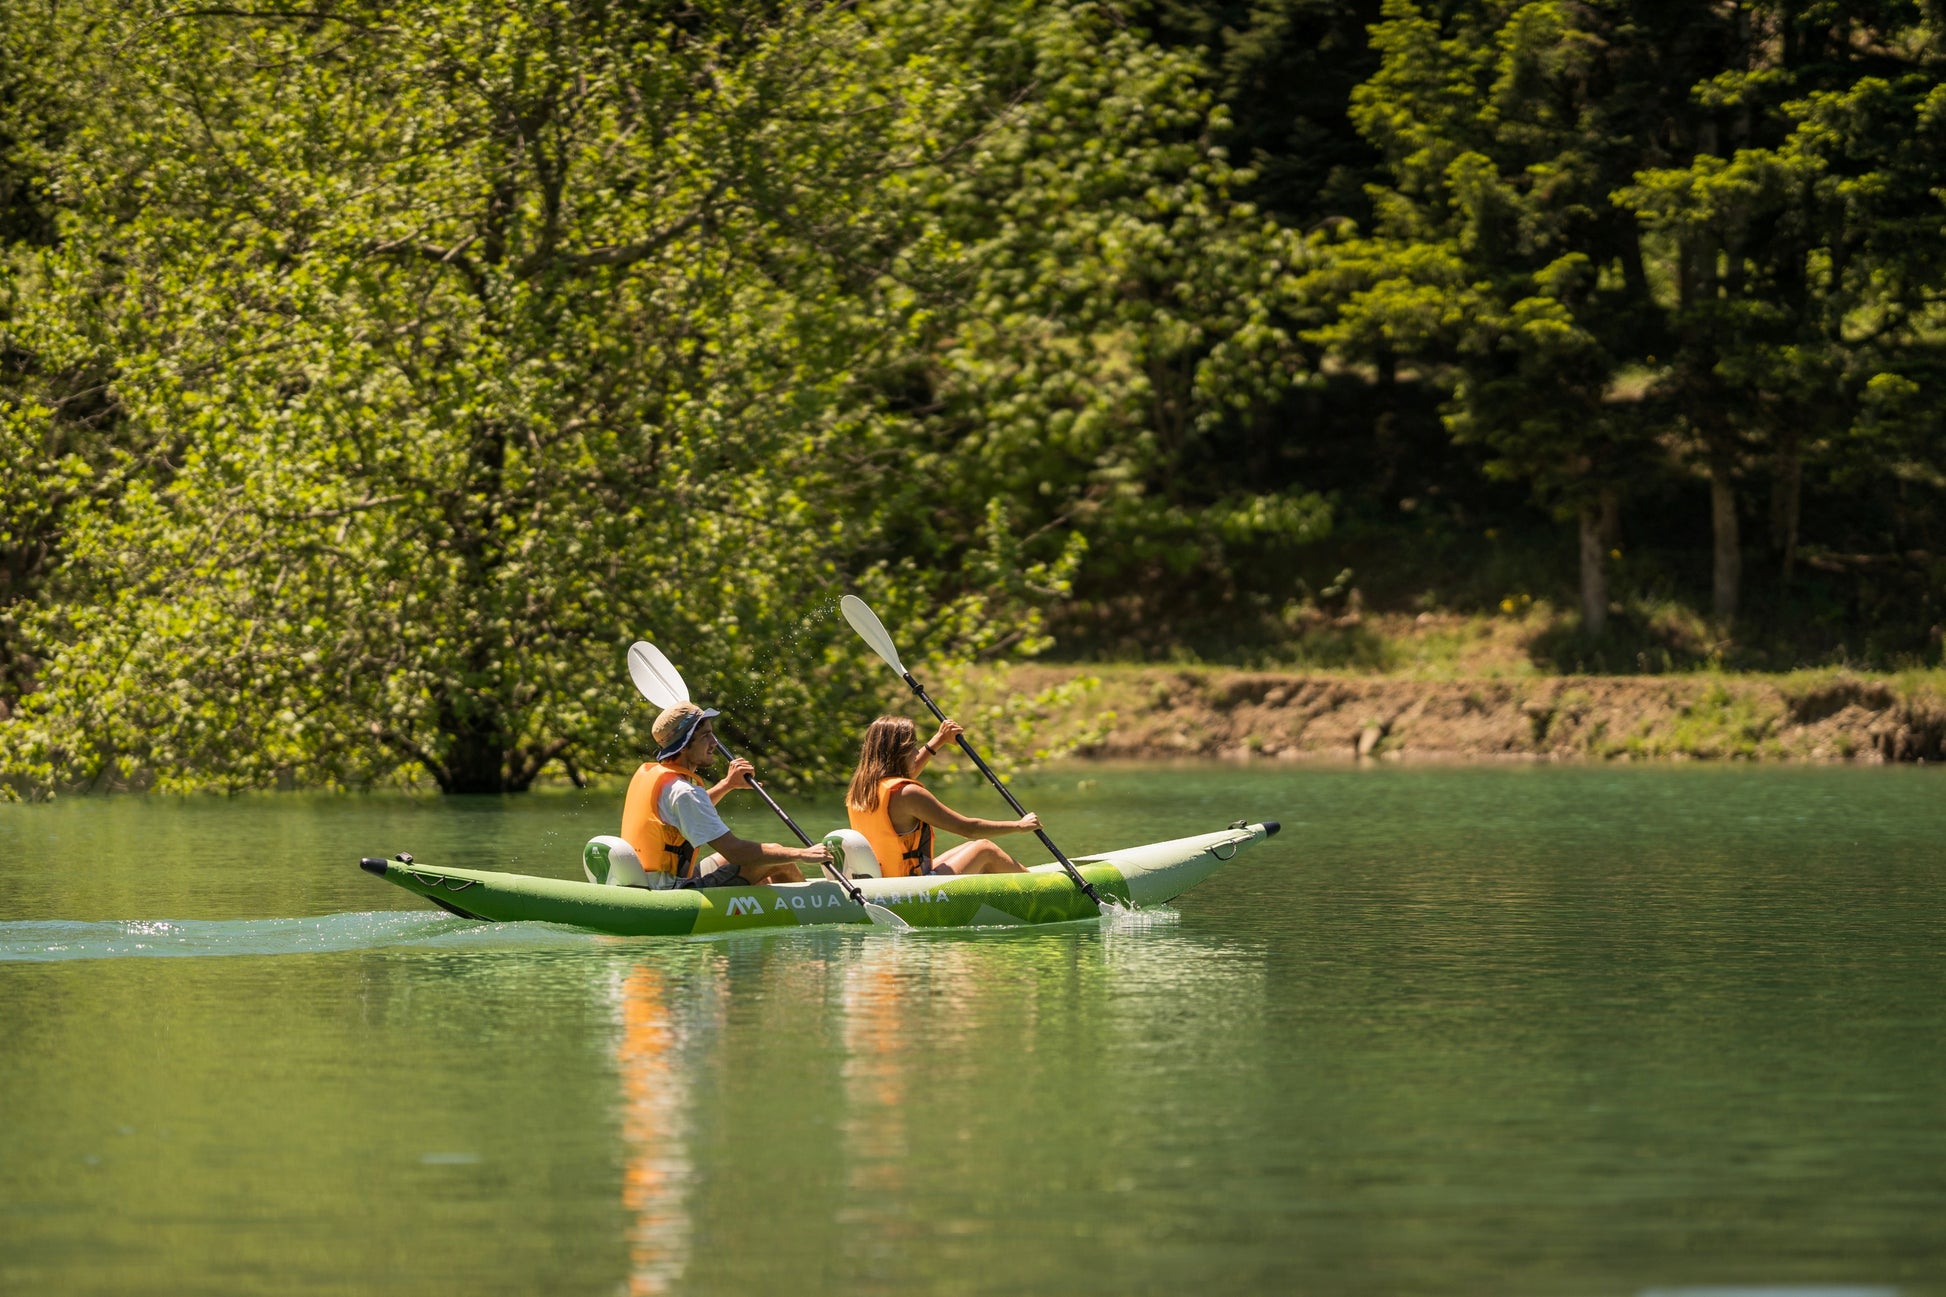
{"points": [[1123, 712]]}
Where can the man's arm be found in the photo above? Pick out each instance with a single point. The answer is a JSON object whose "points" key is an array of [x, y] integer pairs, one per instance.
{"points": [[695, 815], [741, 774], [742, 852]]}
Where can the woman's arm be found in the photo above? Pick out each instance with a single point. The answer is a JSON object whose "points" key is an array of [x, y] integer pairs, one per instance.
{"points": [[939, 742], [915, 803]]}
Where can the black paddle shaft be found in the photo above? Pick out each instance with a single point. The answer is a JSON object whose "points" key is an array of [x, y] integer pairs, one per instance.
{"points": [[831, 868], [1086, 886], [769, 801]]}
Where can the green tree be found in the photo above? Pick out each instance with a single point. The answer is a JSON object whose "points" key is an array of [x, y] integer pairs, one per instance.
{"points": [[1495, 258], [493, 337], [1119, 305], [1605, 222], [1285, 71], [61, 439], [1801, 246]]}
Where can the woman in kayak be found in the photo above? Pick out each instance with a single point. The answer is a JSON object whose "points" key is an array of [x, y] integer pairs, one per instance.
{"points": [[897, 815]]}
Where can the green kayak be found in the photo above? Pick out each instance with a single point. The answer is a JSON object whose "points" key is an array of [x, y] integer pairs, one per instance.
{"points": [[1135, 876]]}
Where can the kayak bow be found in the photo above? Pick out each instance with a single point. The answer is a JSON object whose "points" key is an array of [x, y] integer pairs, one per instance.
{"points": [[1142, 876]]}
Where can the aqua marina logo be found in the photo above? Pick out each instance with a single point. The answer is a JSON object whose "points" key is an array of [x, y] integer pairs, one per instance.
{"points": [[817, 900]]}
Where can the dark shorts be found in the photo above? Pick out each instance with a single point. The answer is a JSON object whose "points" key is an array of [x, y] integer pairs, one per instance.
{"points": [[722, 876]]}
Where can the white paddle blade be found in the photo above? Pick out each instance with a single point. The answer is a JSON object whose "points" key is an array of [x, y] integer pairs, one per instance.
{"points": [[871, 630], [655, 677]]}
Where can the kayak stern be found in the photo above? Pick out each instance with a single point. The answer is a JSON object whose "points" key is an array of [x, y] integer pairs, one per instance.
{"points": [[1158, 872]]}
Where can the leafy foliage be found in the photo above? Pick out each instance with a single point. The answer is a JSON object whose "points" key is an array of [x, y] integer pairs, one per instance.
{"points": [[486, 339], [1616, 233], [370, 376]]}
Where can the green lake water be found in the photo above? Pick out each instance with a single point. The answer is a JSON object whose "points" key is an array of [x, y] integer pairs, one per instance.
{"points": [[1557, 1031]]}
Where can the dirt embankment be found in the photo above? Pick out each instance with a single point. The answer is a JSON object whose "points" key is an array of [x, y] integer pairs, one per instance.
{"points": [[1204, 712]]}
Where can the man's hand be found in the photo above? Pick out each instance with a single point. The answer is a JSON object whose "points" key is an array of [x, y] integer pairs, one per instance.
{"points": [[740, 775]]}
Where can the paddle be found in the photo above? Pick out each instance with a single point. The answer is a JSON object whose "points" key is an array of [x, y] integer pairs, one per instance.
{"points": [[657, 680], [872, 631]]}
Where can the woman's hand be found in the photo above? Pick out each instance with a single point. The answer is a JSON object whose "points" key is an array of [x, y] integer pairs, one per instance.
{"points": [[949, 730], [1028, 823]]}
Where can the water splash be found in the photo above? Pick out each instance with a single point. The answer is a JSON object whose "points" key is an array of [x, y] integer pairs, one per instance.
{"points": [[53, 940], [1122, 920]]}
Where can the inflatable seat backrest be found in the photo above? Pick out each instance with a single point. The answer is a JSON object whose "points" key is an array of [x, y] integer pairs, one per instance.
{"points": [[612, 861], [859, 862]]}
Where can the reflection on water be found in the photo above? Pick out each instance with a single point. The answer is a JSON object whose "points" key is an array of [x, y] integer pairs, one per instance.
{"points": [[1559, 1033], [657, 1094], [877, 984]]}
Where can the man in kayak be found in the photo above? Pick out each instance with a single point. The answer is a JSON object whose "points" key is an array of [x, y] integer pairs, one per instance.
{"points": [[669, 811], [897, 815]]}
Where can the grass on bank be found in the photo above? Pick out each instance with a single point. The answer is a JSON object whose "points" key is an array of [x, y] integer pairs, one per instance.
{"points": [[1430, 593], [1525, 636]]}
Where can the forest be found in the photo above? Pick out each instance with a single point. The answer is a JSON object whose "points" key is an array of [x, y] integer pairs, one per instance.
{"points": [[372, 375]]}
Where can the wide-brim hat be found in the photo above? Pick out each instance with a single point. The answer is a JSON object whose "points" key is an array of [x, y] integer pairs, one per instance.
{"points": [[676, 726]]}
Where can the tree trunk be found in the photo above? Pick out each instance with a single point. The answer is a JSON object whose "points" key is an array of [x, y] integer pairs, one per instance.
{"points": [[473, 716], [472, 743], [1729, 545], [1635, 276], [1786, 500], [1594, 573]]}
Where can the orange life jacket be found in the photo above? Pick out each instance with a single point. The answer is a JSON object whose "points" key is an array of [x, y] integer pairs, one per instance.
{"points": [[662, 847], [899, 854]]}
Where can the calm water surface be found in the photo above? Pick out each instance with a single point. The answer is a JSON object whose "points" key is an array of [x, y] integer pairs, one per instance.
{"points": [[1534, 1030]]}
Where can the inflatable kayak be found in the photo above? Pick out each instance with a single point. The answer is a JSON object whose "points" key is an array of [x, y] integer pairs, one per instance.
{"points": [[1135, 876]]}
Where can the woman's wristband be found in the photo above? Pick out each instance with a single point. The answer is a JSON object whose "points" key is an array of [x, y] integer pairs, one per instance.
{"points": [[929, 749]]}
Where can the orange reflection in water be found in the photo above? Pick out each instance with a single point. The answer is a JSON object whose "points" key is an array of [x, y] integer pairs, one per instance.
{"points": [[655, 1095], [878, 986], [907, 1008]]}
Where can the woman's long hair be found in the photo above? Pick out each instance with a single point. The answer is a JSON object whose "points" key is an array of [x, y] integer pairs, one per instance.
{"points": [[890, 751]]}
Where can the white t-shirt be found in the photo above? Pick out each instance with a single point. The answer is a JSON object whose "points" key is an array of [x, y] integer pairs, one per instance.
{"points": [[689, 810]]}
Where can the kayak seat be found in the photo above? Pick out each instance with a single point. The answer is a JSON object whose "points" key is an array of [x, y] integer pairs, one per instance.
{"points": [[612, 862], [858, 860]]}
